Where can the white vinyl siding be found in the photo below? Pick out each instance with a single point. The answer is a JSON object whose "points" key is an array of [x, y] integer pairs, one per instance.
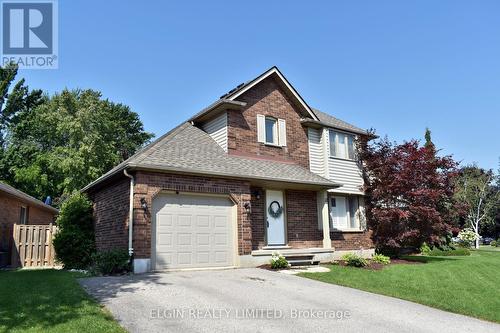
{"points": [[346, 172], [341, 171], [217, 129], [316, 156]]}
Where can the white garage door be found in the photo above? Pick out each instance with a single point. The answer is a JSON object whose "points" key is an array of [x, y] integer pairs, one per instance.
{"points": [[193, 231]]}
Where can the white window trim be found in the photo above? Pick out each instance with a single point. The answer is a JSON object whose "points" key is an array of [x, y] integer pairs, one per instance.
{"points": [[279, 131], [348, 214], [346, 145], [275, 131]]}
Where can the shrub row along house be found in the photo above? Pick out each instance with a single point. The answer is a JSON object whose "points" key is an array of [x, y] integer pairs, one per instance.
{"points": [[257, 171]]}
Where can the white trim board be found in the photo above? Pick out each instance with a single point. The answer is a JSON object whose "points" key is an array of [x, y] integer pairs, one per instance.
{"points": [[273, 70]]}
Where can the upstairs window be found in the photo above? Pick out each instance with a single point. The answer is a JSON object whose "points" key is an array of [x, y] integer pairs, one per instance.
{"points": [[342, 145], [271, 130]]}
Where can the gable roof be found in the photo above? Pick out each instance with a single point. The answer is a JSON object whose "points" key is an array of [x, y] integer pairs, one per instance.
{"points": [[11, 191], [233, 94], [188, 149]]}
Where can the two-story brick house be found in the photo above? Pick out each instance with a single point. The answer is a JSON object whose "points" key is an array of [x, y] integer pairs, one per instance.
{"points": [[257, 171]]}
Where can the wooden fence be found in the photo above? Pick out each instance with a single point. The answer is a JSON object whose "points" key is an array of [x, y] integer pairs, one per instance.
{"points": [[32, 245]]}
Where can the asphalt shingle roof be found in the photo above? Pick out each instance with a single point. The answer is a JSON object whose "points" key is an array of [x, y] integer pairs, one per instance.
{"points": [[25, 197], [330, 120], [189, 149]]}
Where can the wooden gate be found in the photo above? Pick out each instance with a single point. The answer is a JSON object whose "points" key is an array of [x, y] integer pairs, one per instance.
{"points": [[33, 245]]}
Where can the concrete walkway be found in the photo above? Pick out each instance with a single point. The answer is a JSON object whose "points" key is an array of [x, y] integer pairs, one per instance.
{"points": [[256, 300]]}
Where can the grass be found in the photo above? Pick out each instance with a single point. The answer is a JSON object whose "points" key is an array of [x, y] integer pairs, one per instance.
{"points": [[49, 301], [466, 285]]}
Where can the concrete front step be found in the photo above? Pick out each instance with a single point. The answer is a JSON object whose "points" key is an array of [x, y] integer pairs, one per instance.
{"points": [[303, 262]]}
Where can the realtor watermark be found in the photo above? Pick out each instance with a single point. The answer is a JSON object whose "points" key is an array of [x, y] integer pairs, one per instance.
{"points": [[247, 314], [30, 33]]}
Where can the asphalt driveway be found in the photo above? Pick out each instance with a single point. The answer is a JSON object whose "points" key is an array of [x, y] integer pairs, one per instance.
{"points": [[255, 300]]}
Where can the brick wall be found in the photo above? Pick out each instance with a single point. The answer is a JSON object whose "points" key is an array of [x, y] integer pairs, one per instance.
{"points": [[267, 99], [149, 184], [11, 212], [302, 219], [111, 215], [351, 241], [257, 218]]}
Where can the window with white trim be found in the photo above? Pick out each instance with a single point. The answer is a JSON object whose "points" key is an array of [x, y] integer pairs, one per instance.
{"points": [[344, 212], [342, 145], [271, 130]]}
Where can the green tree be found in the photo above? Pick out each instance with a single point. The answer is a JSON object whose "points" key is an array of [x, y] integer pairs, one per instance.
{"points": [[476, 190], [70, 140], [74, 242], [428, 139], [15, 98]]}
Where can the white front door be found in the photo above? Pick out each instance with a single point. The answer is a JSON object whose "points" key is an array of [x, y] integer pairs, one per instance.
{"points": [[276, 223]]}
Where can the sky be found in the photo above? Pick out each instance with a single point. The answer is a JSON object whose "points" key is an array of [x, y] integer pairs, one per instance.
{"points": [[395, 66]]}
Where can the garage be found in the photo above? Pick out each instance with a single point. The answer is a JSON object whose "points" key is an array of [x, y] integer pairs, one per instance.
{"points": [[193, 231]]}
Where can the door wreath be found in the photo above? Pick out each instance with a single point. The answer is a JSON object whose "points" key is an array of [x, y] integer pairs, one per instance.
{"points": [[275, 209]]}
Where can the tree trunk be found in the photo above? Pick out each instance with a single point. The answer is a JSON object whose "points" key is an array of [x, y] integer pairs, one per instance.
{"points": [[477, 241]]}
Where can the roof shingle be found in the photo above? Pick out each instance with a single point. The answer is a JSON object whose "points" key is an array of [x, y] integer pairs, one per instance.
{"points": [[189, 149]]}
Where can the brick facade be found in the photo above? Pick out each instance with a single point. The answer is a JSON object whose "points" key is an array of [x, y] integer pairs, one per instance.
{"points": [[111, 213], [267, 99], [302, 219], [351, 240], [111, 209], [11, 212], [148, 185]]}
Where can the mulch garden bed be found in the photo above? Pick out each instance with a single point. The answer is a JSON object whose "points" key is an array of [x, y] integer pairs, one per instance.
{"points": [[375, 266]]}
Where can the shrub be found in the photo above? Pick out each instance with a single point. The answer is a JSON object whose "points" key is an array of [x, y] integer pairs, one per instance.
{"points": [[467, 236], [494, 243], [425, 249], [110, 262], [278, 261], [74, 241], [381, 259], [352, 259], [456, 252]]}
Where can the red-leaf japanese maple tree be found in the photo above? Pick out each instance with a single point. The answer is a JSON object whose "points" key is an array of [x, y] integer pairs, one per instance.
{"points": [[409, 193]]}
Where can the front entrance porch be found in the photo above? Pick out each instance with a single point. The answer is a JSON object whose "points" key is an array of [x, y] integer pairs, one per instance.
{"points": [[294, 223]]}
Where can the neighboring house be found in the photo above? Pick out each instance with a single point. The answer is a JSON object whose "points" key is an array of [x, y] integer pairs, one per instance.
{"points": [[255, 172], [17, 207]]}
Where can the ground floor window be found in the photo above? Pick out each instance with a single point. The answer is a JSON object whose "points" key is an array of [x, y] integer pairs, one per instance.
{"points": [[345, 212]]}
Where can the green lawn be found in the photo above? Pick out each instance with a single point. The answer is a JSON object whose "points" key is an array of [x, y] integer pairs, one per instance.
{"points": [[466, 285], [49, 301]]}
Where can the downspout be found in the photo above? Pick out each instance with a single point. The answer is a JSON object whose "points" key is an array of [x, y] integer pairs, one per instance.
{"points": [[130, 214]]}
